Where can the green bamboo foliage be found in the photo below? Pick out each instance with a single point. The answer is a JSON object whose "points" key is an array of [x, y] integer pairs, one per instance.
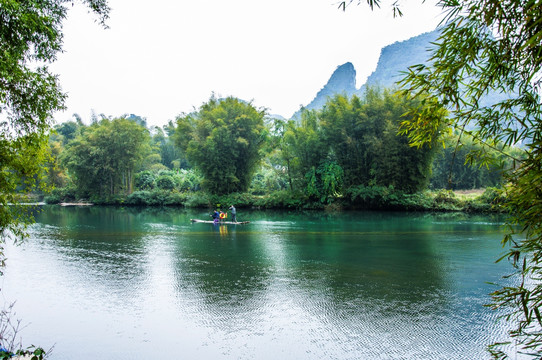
{"points": [[223, 140], [365, 141], [103, 158]]}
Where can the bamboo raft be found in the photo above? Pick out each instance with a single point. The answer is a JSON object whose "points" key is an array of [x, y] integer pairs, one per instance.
{"points": [[219, 222]]}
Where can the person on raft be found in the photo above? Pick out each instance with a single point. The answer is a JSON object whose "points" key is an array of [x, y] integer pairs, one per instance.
{"points": [[216, 216], [233, 214], [223, 216]]}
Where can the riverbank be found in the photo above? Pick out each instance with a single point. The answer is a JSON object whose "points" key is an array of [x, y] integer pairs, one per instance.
{"points": [[81, 203], [355, 198]]}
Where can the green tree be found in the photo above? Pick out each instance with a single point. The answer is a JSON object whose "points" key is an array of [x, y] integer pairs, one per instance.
{"points": [[102, 160], [456, 165], [347, 130], [364, 138], [30, 38], [280, 156], [56, 177], [495, 45], [303, 149], [272, 174], [170, 155], [68, 130], [223, 140], [165, 182], [325, 182], [397, 164], [145, 180]]}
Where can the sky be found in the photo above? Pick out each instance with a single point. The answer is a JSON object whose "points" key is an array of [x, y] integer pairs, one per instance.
{"points": [[159, 59]]}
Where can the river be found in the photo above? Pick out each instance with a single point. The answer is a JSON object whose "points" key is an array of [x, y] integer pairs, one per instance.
{"points": [[131, 283]]}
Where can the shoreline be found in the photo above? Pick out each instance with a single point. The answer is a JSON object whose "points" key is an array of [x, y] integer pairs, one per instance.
{"points": [[74, 204]]}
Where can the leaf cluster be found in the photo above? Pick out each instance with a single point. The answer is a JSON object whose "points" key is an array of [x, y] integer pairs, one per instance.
{"points": [[30, 37]]}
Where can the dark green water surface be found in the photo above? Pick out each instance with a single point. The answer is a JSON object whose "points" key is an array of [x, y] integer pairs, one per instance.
{"points": [[110, 283]]}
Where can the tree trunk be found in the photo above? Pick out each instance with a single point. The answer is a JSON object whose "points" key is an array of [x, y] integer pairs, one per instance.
{"points": [[111, 183], [289, 175]]}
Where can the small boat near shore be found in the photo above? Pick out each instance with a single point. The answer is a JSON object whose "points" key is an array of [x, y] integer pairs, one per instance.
{"points": [[219, 222]]}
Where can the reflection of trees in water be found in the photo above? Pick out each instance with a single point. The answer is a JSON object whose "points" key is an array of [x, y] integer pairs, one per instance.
{"points": [[102, 247], [225, 271], [370, 262], [346, 260], [369, 269], [328, 259], [108, 217], [383, 270]]}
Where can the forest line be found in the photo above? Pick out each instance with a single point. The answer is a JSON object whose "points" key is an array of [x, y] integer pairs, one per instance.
{"points": [[349, 154]]}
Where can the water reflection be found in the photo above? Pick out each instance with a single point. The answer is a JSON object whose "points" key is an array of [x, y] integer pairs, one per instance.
{"points": [[293, 285], [102, 248], [224, 269]]}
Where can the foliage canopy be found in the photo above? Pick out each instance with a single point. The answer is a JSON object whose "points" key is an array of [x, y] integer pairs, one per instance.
{"points": [[104, 157], [223, 140], [352, 142]]}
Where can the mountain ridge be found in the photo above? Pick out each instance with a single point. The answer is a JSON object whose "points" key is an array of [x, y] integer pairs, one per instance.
{"points": [[394, 59]]}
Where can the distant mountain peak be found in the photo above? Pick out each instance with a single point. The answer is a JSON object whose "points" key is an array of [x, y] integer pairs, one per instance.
{"points": [[399, 56], [393, 59], [343, 78], [342, 81]]}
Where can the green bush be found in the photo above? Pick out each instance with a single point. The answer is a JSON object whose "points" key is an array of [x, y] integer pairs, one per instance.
{"points": [[156, 198], [198, 199], [240, 200], [446, 200], [188, 180], [489, 201], [371, 197], [165, 182], [493, 196], [59, 195], [386, 198], [145, 180], [325, 183], [165, 179], [138, 198], [421, 201], [53, 198], [267, 180], [116, 199]]}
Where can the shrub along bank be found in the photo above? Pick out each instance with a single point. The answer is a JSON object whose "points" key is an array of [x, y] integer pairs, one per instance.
{"points": [[354, 198]]}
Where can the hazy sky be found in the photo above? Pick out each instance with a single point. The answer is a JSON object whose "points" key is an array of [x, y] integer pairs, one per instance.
{"points": [[161, 58]]}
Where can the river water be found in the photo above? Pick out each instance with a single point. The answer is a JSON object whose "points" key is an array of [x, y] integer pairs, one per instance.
{"points": [[113, 283]]}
